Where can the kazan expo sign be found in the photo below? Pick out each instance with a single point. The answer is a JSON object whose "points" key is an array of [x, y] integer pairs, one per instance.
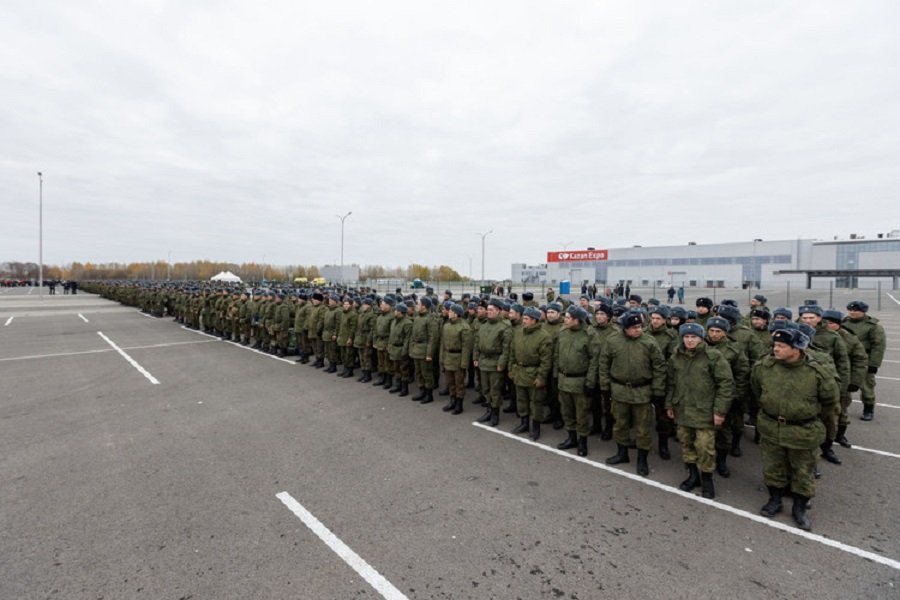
{"points": [[576, 256]]}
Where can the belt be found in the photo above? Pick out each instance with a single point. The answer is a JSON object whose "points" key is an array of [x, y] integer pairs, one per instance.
{"points": [[784, 421], [582, 374], [526, 366], [455, 351], [631, 385]]}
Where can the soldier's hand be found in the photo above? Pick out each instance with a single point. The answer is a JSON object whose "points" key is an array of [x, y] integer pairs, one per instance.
{"points": [[539, 383], [500, 369], [475, 363], [873, 370], [670, 413], [852, 388], [718, 420], [427, 359]]}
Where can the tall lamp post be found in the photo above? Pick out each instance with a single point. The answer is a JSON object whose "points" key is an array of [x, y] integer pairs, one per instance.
{"points": [[41, 235], [483, 235], [344, 218]]}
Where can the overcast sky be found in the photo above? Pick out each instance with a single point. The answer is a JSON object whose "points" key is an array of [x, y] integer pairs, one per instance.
{"points": [[237, 131]]}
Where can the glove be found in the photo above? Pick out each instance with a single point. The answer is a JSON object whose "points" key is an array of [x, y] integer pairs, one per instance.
{"points": [[588, 388], [852, 388], [873, 370]]}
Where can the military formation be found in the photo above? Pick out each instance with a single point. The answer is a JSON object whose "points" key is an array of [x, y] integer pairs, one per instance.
{"points": [[637, 373]]}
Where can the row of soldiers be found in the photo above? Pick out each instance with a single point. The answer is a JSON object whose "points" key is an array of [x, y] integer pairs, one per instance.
{"points": [[617, 369]]}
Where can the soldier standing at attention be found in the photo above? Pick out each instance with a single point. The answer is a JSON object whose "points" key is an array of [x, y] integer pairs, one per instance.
{"points": [[423, 349], [491, 356], [699, 392], [871, 334], [331, 322], [717, 338], [315, 325], [346, 335], [301, 317], [633, 370], [552, 326], [667, 339], [574, 361], [456, 348], [281, 323], [362, 341], [531, 358], [601, 401], [704, 306], [398, 349], [792, 391], [859, 365]]}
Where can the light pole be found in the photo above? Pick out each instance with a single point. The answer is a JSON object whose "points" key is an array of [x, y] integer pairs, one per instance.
{"points": [[344, 218], [483, 235], [41, 235], [567, 244]]}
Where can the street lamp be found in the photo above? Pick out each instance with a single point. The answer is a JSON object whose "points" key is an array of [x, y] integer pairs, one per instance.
{"points": [[342, 241], [483, 235], [567, 244], [41, 235]]}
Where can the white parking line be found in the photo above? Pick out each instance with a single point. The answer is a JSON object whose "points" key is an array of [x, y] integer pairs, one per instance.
{"points": [[241, 346], [133, 362], [892, 298], [880, 452], [8, 321], [879, 404], [888, 378], [83, 318], [59, 354], [894, 564], [356, 562]]}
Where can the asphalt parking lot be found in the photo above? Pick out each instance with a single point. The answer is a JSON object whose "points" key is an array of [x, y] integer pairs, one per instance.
{"points": [[141, 459]]}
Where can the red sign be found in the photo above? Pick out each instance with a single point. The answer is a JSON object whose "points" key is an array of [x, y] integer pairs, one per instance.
{"points": [[576, 255]]}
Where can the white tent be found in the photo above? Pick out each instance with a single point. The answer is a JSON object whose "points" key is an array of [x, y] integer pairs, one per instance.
{"points": [[226, 276]]}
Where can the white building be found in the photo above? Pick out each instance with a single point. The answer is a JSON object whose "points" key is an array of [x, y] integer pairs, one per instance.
{"points": [[335, 274]]}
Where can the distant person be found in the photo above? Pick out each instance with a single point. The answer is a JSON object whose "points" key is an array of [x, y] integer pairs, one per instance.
{"points": [[680, 294], [671, 293]]}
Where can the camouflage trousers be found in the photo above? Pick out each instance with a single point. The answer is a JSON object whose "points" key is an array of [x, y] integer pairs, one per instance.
{"points": [[402, 368], [456, 381], [384, 363], [784, 467], [734, 421], [319, 349], [844, 417], [867, 390], [638, 416], [576, 412], [491, 385], [830, 421], [331, 352], [698, 447], [424, 374], [349, 356], [365, 358], [530, 402], [303, 345]]}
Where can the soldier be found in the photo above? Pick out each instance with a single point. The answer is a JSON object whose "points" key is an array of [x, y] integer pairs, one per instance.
{"points": [[491, 356], [704, 306], [759, 325], [331, 323], [398, 349], [859, 364], [792, 391], [514, 315], [380, 337], [602, 401], [346, 334], [633, 370], [315, 325], [831, 345], [456, 348], [699, 394], [576, 373], [531, 358], [362, 341], [528, 299], [667, 339], [871, 334], [552, 326], [423, 349], [281, 323], [717, 338]]}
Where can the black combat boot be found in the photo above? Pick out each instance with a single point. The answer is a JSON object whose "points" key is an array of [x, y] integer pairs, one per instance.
{"points": [[664, 447], [457, 407], [362, 376], [801, 517], [396, 387], [495, 417], [621, 456], [444, 392], [420, 396], [708, 489], [404, 389], [828, 453], [736, 435], [510, 406], [693, 479], [522, 427], [582, 445], [479, 400], [606, 434], [643, 469], [722, 463], [841, 437], [388, 381], [451, 403], [332, 368], [428, 399], [774, 505], [484, 418], [535, 434], [570, 442], [868, 412], [380, 379]]}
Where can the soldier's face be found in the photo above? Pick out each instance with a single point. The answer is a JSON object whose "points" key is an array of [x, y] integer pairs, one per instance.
{"points": [[347, 306], [785, 352], [691, 341], [810, 319], [832, 325], [634, 331], [528, 321], [702, 310], [657, 321], [569, 321], [492, 312], [480, 311], [856, 315], [759, 323], [584, 303], [601, 317], [552, 316], [715, 335], [633, 304]]}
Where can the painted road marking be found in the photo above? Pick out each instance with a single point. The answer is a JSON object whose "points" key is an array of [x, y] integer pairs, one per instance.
{"points": [[878, 404], [880, 452], [892, 298], [356, 562], [880, 559], [83, 318], [58, 354], [8, 321], [133, 362], [241, 346]]}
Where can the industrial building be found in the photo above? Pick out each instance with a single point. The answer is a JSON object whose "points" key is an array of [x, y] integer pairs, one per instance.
{"points": [[848, 263]]}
